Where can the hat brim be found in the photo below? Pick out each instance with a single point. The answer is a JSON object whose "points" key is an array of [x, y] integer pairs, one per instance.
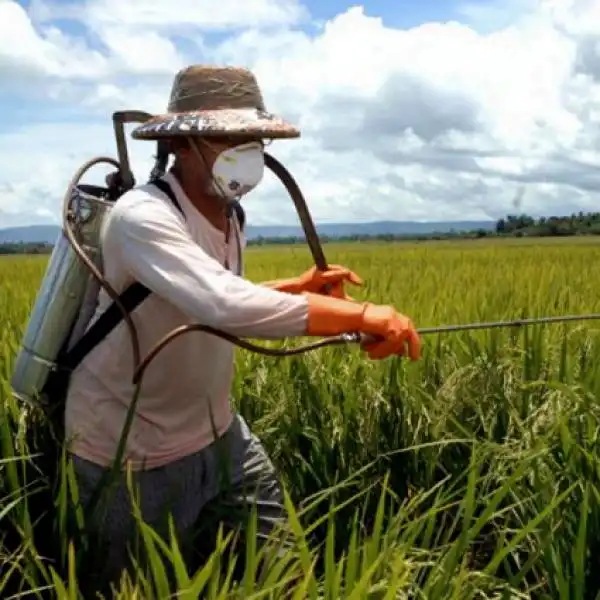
{"points": [[213, 123]]}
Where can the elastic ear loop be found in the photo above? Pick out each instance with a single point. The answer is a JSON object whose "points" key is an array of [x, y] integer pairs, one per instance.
{"points": [[200, 156], [228, 203]]}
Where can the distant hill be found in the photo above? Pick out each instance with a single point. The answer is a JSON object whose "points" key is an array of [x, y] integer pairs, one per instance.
{"points": [[33, 234], [48, 233]]}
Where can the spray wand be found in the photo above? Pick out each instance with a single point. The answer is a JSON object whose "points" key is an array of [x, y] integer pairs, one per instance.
{"points": [[125, 181], [122, 182]]}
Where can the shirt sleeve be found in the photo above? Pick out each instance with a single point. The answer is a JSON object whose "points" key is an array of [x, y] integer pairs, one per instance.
{"points": [[159, 252]]}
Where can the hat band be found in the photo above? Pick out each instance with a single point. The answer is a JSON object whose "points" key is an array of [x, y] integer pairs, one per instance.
{"points": [[222, 98]]}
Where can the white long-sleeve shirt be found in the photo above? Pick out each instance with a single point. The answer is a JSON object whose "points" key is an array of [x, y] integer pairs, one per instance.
{"points": [[146, 239]]}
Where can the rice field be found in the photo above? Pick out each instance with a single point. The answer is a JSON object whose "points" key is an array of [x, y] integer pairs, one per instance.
{"points": [[473, 473]]}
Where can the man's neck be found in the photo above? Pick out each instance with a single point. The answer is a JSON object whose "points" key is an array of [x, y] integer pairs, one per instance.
{"points": [[213, 209]]}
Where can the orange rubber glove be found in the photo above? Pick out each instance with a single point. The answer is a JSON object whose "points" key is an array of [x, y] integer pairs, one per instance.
{"points": [[314, 281], [394, 332]]}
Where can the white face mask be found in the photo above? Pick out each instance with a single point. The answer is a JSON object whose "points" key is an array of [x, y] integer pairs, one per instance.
{"points": [[238, 170]]}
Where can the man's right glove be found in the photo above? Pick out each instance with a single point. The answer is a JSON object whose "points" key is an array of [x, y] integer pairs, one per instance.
{"points": [[394, 332]]}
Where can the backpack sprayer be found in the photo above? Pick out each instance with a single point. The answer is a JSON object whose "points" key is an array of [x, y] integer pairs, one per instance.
{"points": [[57, 336]]}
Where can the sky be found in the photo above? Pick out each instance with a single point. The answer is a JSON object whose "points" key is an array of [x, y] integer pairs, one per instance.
{"points": [[422, 110]]}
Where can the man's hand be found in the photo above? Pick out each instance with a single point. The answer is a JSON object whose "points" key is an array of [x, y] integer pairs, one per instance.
{"points": [[393, 333], [315, 281]]}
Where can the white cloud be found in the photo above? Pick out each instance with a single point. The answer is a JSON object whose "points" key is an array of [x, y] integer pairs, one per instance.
{"points": [[173, 14], [442, 121]]}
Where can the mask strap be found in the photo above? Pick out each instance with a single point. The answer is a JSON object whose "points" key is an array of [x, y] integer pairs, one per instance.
{"points": [[228, 203], [202, 159]]}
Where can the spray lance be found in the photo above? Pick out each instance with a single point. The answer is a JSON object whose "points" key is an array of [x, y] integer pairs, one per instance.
{"points": [[318, 255], [66, 301]]}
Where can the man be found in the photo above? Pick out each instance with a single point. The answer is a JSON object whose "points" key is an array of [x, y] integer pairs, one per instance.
{"points": [[188, 253]]}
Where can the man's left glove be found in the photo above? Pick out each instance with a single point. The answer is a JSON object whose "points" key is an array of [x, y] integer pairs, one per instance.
{"points": [[314, 281]]}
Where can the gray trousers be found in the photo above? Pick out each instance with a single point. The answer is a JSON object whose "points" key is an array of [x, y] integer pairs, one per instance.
{"points": [[217, 485]]}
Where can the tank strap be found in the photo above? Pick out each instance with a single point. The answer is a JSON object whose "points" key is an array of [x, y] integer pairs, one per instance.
{"points": [[130, 298], [165, 188], [241, 214]]}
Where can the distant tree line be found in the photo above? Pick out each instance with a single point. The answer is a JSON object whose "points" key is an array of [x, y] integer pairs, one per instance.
{"points": [[523, 225], [576, 224]]}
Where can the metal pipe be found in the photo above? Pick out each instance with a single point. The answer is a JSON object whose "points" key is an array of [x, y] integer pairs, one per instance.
{"points": [[313, 241]]}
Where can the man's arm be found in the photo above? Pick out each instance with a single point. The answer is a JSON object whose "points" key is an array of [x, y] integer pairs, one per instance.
{"points": [[158, 251]]}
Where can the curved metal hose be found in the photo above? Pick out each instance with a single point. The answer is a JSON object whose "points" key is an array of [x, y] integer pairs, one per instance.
{"points": [[67, 218], [141, 365]]}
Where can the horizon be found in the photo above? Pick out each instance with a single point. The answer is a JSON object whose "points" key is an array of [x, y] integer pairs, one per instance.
{"points": [[322, 223]]}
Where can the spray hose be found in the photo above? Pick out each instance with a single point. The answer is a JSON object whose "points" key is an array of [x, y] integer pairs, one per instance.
{"points": [[141, 364]]}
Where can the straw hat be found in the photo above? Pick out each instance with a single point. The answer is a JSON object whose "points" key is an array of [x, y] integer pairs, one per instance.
{"points": [[215, 101]]}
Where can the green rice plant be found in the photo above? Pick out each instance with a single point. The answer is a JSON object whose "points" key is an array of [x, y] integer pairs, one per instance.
{"points": [[474, 473]]}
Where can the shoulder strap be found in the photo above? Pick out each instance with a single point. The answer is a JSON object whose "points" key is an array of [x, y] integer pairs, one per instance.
{"points": [[165, 188], [130, 299], [241, 214]]}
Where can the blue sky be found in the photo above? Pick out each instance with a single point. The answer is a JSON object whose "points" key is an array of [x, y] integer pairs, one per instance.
{"points": [[445, 122], [400, 13], [395, 13], [403, 14]]}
